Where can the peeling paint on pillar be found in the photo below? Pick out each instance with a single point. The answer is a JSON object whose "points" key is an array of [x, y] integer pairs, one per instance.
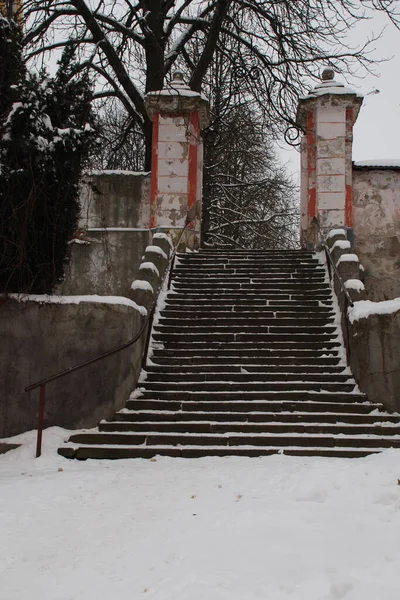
{"points": [[327, 117], [154, 170], [311, 165], [177, 155], [349, 168]]}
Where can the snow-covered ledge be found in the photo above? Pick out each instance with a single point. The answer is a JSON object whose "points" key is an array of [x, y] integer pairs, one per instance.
{"points": [[347, 265]]}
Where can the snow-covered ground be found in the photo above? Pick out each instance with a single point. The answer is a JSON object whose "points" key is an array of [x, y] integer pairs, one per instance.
{"points": [[273, 528]]}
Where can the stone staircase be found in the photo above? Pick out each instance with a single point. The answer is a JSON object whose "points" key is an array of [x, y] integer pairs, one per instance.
{"points": [[246, 360]]}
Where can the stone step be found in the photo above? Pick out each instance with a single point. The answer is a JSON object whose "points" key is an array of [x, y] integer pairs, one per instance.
{"points": [[242, 386], [274, 257], [250, 252], [278, 278], [290, 286], [240, 354], [228, 297], [267, 313], [251, 377], [238, 405], [134, 416], [250, 396], [240, 339], [214, 439], [249, 368], [112, 453], [247, 260], [174, 300], [198, 362], [235, 323], [246, 427], [186, 270]]}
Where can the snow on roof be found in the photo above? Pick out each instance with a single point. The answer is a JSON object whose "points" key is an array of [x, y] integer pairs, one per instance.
{"points": [[365, 308], [377, 164]]}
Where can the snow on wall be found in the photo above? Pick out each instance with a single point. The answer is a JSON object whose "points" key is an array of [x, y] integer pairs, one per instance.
{"points": [[334, 232], [47, 299], [342, 244], [163, 236], [347, 258], [156, 250], [149, 266], [365, 308], [141, 284], [354, 284]]}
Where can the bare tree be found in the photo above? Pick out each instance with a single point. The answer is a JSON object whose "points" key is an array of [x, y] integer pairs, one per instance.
{"points": [[133, 45], [249, 200], [122, 143]]}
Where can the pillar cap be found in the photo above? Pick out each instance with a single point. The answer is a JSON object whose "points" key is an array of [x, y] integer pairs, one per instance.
{"points": [[177, 98], [328, 88], [329, 85]]}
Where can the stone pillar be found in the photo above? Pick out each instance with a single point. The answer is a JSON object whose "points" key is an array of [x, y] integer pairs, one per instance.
{"points": [[178, 115], [327, 116]]}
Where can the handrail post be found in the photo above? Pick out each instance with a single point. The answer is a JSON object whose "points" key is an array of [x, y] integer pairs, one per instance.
{"points": [[42, 399]]}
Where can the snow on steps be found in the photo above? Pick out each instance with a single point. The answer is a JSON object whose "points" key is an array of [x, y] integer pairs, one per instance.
{"points": [[247, 360]]}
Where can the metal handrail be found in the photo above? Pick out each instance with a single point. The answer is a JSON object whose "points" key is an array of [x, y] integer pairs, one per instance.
{"points": [[329, 256], [147, 322]]}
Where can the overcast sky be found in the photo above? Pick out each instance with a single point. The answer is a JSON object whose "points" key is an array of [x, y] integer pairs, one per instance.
{"points": [[377, 129]]}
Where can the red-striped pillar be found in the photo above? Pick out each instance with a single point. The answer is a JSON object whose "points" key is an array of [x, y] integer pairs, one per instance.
{"points": [[327, 116], [178, 116]]}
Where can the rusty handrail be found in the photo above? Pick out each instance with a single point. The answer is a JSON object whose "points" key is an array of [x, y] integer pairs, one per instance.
{"points": [[335, 271], [147, 322]]}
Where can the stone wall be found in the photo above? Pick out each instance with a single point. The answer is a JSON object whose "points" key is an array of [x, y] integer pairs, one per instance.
{"points": [[40, 338], [115, 199], [374, 352], [376, 219], [42, 335], [371, 330], [113, 233]]}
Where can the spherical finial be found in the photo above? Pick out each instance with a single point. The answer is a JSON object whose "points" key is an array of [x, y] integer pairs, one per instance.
{"points": [[177, 77], [328, 75]]}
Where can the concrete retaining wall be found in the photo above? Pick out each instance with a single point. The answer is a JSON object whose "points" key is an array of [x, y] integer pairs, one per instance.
{"points": [[374, 344], [40, 339], [115, 199], [371, 330], [376, 220], [113, 233], [106, 265]]}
